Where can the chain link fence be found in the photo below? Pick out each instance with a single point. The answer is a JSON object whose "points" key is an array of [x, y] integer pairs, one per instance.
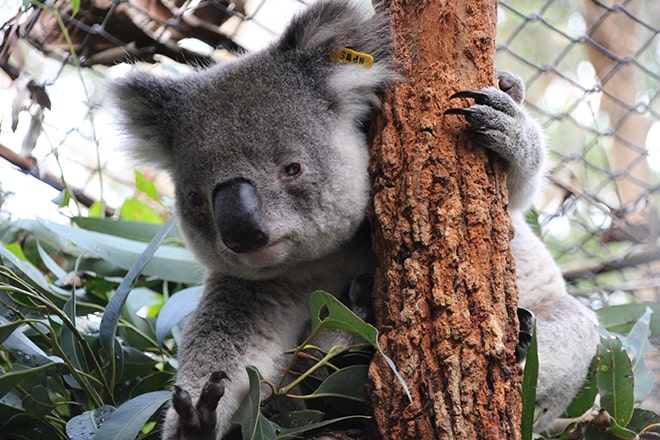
{"points": [[592, 70]]}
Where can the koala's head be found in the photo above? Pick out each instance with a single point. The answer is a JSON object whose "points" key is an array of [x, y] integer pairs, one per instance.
{"points": [[268, 153]]}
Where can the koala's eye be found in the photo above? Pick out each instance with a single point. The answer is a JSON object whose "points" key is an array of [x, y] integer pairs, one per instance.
{"points": [[292, 169], [195, 200]]}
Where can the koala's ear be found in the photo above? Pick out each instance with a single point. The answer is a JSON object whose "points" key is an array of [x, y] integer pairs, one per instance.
{"points": [[146, 107], [320, 36]]}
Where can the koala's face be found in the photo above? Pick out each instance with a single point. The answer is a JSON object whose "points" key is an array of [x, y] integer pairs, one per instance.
{"points": [[267, 153], [267, 175]]}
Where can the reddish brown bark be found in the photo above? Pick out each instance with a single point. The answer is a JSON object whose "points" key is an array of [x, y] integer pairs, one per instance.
{"points": [[445, 294]]}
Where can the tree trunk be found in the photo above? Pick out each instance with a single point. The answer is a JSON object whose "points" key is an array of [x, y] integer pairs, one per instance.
{"points": [[445, 296]]}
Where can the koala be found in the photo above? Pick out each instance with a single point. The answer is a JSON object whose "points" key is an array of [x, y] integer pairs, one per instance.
{"points": [[269, 159]]}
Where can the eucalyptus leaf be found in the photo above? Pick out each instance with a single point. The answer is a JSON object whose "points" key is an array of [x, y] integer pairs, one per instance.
{"points": [[585, 398], [27, 352], [637, 342], [176, 309], [294, 432], [84, 426], [340, 317], [7, 328], [346, 383], [37, 403], [620, 319], [128, 420], [167, 263], [530, 376], [139, 231], [50, 264], [146, 186], [615, 381], [71, 345], [136, 210], [254, 426], [110, 319], [25, 268], [643, 419]]}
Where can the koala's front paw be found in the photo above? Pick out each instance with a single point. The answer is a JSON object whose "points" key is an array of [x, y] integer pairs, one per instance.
{"points": [[198, 422], [499, 123]]}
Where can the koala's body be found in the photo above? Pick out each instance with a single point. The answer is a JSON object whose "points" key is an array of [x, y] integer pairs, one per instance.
{"points": [[269, 159]]}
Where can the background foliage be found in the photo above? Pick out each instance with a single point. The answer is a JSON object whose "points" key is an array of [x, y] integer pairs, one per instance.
{"points": [[90, 314]]}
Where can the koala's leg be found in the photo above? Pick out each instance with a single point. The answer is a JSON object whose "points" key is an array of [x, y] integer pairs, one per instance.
{"points": [[498, 122], [566, 329], [237, 323]]}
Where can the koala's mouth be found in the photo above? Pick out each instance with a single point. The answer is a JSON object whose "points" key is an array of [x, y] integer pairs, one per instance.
{"points": [[271, 255]]}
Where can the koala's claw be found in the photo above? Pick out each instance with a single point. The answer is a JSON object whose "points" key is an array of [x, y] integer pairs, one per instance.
{"points": [[478, 96], [198, 422]]}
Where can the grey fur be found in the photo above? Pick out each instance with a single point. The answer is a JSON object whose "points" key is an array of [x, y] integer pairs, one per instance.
{"points": [[248, 121]]}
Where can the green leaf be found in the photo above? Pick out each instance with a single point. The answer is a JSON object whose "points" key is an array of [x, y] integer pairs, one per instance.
{"points": [[12, 378], [63, 198], [137, 210], [643, 419], [293, 432], [108, 328], [347, 383], [146, 186], [85, 425], [584, 400], [128, 420], [620, 319], [50, 264], [176, 309], [70, 344], [17, 250], [7, 328], [254, 426], [75, 7], [38, 403], [26, 268], [339, 317], [167, 263], [96, 210], [139, 231], [297, 419], [615, 381], [530, 376], [637, 342], [27, 352]]}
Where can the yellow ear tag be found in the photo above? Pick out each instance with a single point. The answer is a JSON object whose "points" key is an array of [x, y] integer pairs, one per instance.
{"points": [[345, 55]]}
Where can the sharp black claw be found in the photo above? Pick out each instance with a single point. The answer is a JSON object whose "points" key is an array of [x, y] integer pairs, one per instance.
{"points": [[459, 111], [217, 376], [479, 97]]}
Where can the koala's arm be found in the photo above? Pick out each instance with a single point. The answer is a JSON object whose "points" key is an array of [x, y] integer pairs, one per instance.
{"points": [[566, 329], [232, 327]]}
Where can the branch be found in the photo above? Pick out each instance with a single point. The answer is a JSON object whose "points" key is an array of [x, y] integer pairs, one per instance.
{"points": [[588, 270], [28, 165]]}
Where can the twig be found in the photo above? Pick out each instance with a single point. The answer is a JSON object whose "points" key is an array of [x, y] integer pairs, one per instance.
{"points": [[28, 165], [588, 270]]}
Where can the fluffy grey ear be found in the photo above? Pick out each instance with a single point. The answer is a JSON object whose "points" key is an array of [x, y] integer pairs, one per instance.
{"points": [[341, 38], [147, 115]]}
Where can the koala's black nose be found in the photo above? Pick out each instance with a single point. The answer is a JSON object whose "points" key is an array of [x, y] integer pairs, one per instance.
{"points": [[237, 215]]}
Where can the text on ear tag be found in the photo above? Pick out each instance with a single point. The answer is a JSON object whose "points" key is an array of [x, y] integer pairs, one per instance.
{"points": [[345, 55]]}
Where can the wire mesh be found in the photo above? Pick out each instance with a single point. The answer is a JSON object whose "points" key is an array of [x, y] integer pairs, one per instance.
{"points": [[592, 70]]}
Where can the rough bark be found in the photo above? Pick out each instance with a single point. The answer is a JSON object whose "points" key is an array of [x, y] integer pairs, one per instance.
{"points": [[445, 294]]}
